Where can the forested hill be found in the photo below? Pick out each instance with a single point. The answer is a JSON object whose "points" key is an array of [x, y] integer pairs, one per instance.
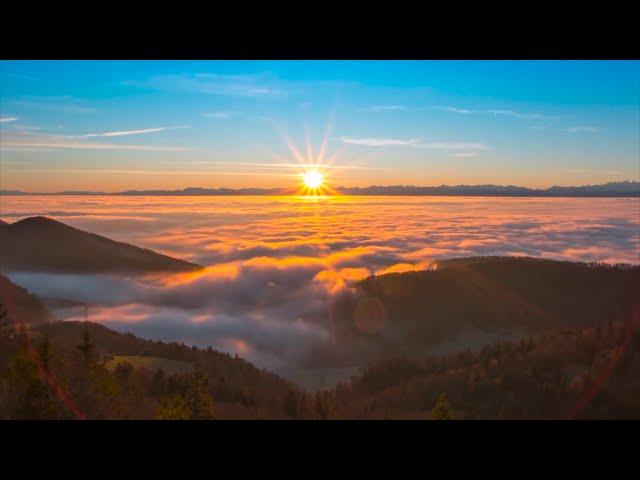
{"points": [[492, 294], [43, 244], [72, 370], [581, 361], [25, 307], [590, 373]]}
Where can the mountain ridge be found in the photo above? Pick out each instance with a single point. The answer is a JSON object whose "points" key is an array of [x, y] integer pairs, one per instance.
{"points": [[422, 309], [611, 189], [43, 244]]}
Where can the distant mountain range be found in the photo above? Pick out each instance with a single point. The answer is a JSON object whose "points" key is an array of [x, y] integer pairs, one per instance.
{"points": [[611, 189], [43, 244]]}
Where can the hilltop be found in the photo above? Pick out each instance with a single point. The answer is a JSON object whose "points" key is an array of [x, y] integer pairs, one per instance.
{"points": [[464, 302], [43, 244]]}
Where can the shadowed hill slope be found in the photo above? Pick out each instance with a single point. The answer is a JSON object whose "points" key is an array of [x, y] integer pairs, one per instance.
{"points": [[80, 370], [492, 294], [589, 373], [43, 244], [20, 305], [221, 366]]}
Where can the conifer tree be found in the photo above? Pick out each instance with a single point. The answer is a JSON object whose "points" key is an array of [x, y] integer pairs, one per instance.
{"points": [[86, 346], [158, 383], [173, 407], [45, 352], [198, 397], [291, 404], [320, 407], [30, 396], [6, 328], [443, 409]]}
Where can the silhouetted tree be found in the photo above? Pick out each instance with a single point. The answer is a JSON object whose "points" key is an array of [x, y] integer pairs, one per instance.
{"points": [[86, 347], [158, 386], [173, 407], [45, 351], [122, 374], [443, 409], [198, 398], [291, 404], [6, 326], [320, 407], [30, 396]]}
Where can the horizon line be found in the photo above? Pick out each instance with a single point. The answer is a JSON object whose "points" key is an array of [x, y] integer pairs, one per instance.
{"points": [[408, 190]]}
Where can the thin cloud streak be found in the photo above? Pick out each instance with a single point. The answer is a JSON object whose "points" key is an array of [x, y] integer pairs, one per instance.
{"points": [[30, 140], [8, 119], [382, 108], [89, 146], [582, 129], [511, 113], [452, 145], [378, 142], [495, 113], [220, 115], [122, 133], [158, 172], [25, 77], [215, 84], [416, 143], [298, 166], [64, 104], [455, 110]]}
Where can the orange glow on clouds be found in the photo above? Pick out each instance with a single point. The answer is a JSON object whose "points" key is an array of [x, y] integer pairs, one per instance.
{"points": [[273, 265]]}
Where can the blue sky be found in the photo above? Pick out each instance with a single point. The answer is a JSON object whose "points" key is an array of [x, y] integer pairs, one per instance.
{"points": [[171, 124]]}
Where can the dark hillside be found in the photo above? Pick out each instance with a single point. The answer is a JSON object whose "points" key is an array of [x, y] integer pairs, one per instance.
{"points": [[491, 294], [22, 306], [590, 373], [43, 244], [53, 370]]}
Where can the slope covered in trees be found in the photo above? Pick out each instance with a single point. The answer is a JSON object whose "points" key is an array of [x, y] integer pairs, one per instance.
{"points": [[65, 370], [581, 359], [407, 312], [25, 306], [590, 373], [43, 244]]}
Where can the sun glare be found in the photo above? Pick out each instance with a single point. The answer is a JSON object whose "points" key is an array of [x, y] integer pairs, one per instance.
{"points": [[313, 180]]}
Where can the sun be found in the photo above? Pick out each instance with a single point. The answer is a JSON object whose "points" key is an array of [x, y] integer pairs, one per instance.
{"points": [[313, 180]]}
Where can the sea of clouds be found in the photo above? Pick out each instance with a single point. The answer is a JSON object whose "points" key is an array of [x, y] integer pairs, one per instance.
{"points": [[275, 264]]}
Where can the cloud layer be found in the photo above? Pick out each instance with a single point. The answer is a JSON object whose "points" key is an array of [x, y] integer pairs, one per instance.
{"points": [[276, 264]]}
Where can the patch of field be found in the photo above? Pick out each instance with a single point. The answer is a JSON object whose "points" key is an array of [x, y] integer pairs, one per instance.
{"points": [[151, 363]]}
